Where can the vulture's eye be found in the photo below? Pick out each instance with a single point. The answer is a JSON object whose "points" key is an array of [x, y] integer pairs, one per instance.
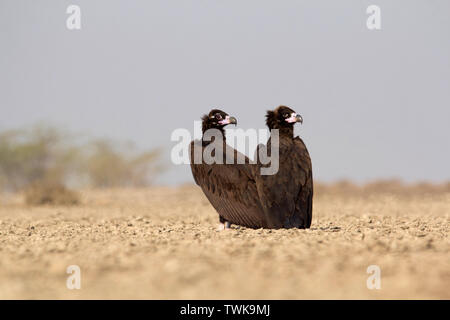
{"points": [[286, 115], [218, 116]]}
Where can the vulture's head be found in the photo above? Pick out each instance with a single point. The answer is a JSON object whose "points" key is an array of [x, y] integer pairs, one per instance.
{"points": [[282, 117], [217, 119]]}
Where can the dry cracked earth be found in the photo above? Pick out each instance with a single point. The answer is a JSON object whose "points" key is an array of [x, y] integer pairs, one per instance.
{"points": [[162, 243]]}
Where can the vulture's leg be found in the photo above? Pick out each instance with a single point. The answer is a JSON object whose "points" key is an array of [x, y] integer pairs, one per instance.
{"points": [[224, 224]]}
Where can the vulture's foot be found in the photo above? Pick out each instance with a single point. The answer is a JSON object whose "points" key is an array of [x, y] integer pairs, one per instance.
{"points": [[224, 226]]}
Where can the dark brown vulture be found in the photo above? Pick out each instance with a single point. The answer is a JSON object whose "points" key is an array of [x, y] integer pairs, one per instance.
{"points": [[287, 196], [230, 188], [239, 193]]}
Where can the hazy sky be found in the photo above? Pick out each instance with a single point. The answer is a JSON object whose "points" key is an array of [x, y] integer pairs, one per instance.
{"points": [[376, 104]]}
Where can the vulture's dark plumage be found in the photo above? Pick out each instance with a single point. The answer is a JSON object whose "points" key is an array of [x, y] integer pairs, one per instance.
{"points": [[287, 195], [240, 194]]}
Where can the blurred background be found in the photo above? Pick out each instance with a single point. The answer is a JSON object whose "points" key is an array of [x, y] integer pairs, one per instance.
{"points": [[86, 118], [95, 107]]}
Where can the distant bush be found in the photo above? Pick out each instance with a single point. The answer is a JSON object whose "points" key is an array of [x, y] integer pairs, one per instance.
{"points": [[38, 154], [45, 193], [43, 160], [107, 165]]}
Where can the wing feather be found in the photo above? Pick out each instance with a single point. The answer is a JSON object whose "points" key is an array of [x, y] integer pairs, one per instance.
{"points": [[230, 188]]}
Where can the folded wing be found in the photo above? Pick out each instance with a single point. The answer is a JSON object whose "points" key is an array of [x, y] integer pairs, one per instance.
{"points": [[286, 196], [230, 188]]}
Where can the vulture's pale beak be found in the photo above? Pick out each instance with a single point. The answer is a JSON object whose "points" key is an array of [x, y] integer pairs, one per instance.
{"points": [[228, 120], [295, 118]]}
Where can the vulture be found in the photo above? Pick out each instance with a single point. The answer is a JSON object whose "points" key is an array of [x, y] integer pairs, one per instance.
{"points": [[286, 196], [239, 192], [230, 187]]}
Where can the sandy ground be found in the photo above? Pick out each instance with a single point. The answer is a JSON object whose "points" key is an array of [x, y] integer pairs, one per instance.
{"points": [[162, 243]]}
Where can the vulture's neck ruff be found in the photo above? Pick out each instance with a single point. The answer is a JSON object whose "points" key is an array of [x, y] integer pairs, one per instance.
{"points": [[285, 132]]}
